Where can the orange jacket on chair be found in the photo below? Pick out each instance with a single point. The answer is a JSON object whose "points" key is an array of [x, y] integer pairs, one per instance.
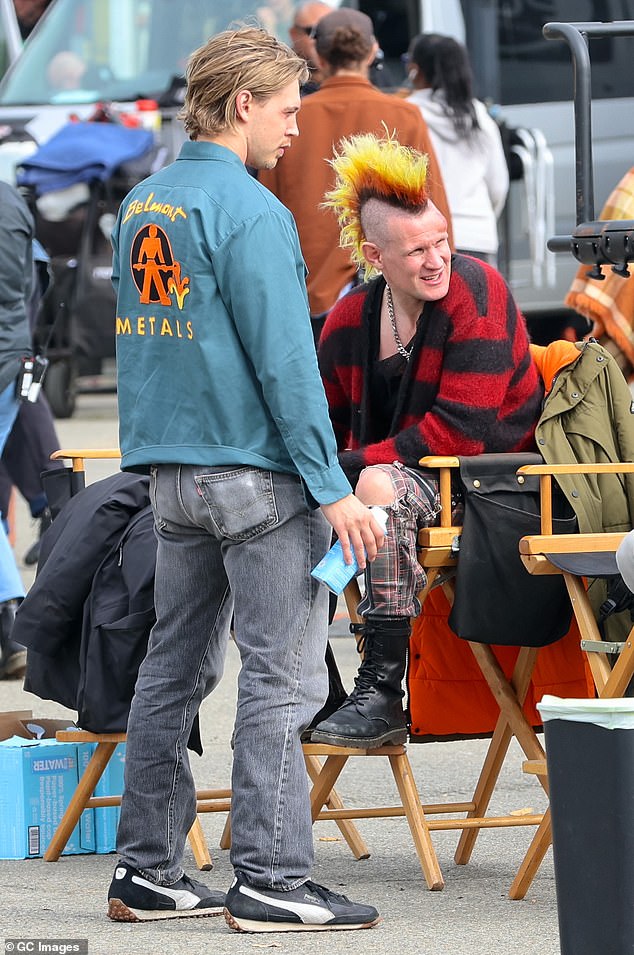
{"points": [[448, 696]]}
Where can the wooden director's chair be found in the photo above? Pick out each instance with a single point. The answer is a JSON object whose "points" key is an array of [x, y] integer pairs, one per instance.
{"points": [[216, 800], [575, 556], [438, 554]]}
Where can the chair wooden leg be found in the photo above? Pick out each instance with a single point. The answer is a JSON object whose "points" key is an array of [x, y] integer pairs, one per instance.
{"points": [[325, 782], [199, 846], [347, 828], [410, 799], [533, 859], [85, 788], [510, 722], [225, 838], [507, 694]]}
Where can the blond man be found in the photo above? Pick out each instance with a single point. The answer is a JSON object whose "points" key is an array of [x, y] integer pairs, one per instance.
{"points": [[220, 399]]}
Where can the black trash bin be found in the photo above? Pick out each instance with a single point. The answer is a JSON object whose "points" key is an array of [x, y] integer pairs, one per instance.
{"points": [[590, 758]]}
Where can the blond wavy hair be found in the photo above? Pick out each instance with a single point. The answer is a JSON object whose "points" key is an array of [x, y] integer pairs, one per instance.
{"points": [[243, 58], [368, 167]]}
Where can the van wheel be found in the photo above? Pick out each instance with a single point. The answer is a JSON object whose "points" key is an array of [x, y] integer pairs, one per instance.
{"points": [[60, 388]]}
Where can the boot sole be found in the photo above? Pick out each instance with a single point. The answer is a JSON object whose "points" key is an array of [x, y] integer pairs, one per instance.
{"points": [[248, 925], [394, 738], [118, 911]]}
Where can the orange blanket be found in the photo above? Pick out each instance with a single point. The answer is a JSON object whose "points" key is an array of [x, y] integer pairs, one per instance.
{"points": [[448, 696], [609, 303]]}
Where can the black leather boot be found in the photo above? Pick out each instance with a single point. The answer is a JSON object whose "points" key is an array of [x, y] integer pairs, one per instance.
{"points": [[373, 713], [12, 655]]}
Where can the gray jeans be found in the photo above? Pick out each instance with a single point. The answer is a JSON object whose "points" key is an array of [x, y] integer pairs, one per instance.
{"points": [[238, 541]]}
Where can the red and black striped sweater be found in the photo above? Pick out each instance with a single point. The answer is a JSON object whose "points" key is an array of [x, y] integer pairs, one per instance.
{"points": [[470, 385]]}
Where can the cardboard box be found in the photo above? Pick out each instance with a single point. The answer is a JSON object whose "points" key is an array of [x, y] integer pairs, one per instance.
{"points": [[38, 777], [110, 784]]}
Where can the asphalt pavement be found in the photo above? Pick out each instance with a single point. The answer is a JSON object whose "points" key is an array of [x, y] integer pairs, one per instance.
{"points": [[472, 915]]}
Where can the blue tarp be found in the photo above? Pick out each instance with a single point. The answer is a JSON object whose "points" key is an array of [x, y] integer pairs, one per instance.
{"points": [[82, 152]]}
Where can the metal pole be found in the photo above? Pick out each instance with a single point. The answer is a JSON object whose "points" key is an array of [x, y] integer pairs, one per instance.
{"points": [[576, 35], [582, 93]]}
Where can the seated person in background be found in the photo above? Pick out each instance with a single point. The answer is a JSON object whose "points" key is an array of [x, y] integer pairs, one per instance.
{"points": [[66, 71], [430, 356]]}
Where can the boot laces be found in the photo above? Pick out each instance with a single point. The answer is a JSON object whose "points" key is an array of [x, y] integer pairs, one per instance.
{"points": [[326, 894], [368, 674]]}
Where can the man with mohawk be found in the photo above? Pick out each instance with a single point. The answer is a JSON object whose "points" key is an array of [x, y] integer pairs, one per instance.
{"points": [[429, 356], [346, 104]]}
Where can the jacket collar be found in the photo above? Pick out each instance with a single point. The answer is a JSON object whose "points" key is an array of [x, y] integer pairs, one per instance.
{"points": [[332, 82], [204, 150]]}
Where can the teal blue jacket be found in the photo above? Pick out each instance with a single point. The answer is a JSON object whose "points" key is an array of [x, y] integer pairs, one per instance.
{"points": [[215, 357]]}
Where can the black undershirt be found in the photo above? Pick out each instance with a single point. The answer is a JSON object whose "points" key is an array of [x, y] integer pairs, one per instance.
{"points": [[385, 382]]}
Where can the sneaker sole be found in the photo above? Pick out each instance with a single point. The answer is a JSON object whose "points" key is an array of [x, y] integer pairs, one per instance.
{"points": [[118, 911], [248, 925], [394, 738]]}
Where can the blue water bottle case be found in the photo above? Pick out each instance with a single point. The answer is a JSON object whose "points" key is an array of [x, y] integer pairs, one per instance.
{"points": [[332, 569]]}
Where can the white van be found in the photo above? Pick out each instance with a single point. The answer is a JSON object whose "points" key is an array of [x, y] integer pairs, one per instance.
{"points": [[131, 50]]}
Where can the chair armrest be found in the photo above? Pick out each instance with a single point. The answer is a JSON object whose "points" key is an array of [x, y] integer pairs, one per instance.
{"points": [[444, 465], [612, 467], [78, 456], [546, 472]]}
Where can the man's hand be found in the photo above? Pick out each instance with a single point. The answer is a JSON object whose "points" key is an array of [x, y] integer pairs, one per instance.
{"points": [[356, 529]]}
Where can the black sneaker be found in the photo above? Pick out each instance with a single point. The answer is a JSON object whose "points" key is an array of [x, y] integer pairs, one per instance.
{"points": [[309, 908], [133, 898]]}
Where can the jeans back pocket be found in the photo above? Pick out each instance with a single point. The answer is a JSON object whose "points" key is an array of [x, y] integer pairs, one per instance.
{"points": [[241, 501]]}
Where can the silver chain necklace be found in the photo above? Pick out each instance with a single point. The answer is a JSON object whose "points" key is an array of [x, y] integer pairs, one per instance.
{"points": [[402, 350]]}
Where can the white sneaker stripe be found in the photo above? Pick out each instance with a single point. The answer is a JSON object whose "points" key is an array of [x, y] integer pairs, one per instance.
{"points": [[183, 899], [316, 914]]}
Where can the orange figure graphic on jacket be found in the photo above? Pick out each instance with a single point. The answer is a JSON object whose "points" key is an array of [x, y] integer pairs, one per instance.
{"points": [[153, 264]]}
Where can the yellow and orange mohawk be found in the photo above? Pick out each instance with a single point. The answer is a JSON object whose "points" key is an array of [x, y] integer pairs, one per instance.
{"points": [[367, 167]]}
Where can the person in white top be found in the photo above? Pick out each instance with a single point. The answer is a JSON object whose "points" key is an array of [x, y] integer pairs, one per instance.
{"points": [[466, 140]]}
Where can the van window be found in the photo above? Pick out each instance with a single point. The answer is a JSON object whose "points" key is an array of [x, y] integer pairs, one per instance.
{"points": [[535, 70], [120, 50]]}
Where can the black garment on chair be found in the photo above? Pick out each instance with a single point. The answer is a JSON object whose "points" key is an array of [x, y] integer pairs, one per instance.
{"points": [[496, 600], [92, 599]]}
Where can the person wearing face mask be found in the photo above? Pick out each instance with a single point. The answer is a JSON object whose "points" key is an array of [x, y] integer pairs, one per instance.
{"points": [[466, 139], [346, 104]]}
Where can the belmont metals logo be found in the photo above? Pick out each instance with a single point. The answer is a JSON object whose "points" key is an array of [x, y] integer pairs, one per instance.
{"points": [[156, 274]]}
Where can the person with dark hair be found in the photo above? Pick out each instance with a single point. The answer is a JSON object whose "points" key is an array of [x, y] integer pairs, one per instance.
{"points": [[345, 104], [466, 139], [28, 12], [221, 401], [429, 356]]}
